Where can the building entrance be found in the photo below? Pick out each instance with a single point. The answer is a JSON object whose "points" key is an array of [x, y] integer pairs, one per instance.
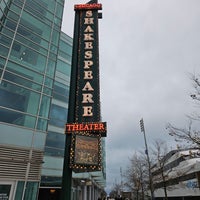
{"points": [[7, 190], [49, 193]]}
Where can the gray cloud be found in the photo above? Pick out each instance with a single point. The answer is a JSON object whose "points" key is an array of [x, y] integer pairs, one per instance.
{"points": [[147, 49]]}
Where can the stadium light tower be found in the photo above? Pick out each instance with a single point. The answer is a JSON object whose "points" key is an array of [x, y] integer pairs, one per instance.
{"points": [[148, 160]]}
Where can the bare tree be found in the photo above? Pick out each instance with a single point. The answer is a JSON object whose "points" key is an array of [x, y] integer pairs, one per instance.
{"points": [[115, 190], [136, 176], [196, 85], [189, 134]]}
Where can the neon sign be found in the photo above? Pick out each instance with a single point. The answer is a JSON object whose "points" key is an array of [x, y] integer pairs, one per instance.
{"points": [[94, 6], [94, 127]]}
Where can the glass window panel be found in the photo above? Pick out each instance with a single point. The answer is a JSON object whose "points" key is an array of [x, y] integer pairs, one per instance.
{"points": [[53, 49], [4, 8], [39, 15], [1, 13], [21, 70], [7, 32], [51, 68], [18, 98], [57, 23], [48, 82], [63, 67], [31, 191], [44, 29], [61, 1], [63, 46], [58, 112], [50, 6], [2, 5], [4, 50], [11, 99], [17, 2], [61, 91], [51, 181], [50, 172], [55, 37], [61, 53], [8, 136], [21, 81], [52, 164], [42, 124], [10, 24], [55, 144], [47, 91], [39, 139], [65, 56], [29, 31], [19, 190], [27, 55], [34, 9], [50, 16], [4, 40], [57, 28], [49, 151], [2, 62], [58, 116], [33, 33], [13, 16], [57, 122], [52, 56], [59, 10], [56, 140], [27, 121], [29, 42], [60, 97], [45, 106], [44, 6], [18, 136], [41, 3], [17, 118]]}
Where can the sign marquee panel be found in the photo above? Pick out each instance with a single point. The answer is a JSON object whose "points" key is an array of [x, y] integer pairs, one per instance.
{"points": [[86, 150], [87, 96], [85, 153], [86, 129]]}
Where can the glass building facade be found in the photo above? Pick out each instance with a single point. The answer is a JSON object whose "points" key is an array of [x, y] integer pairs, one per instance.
{"points": [[35, 65], [29, 40]]}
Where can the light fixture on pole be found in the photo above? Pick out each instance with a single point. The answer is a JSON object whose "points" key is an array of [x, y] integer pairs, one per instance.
{"points": [[148, 160]]}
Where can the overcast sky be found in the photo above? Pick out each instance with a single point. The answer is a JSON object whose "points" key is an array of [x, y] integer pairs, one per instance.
{"points": [[147, 50]]}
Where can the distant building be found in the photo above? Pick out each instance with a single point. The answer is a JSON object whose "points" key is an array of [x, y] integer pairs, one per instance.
{"points": [[182, 175]]}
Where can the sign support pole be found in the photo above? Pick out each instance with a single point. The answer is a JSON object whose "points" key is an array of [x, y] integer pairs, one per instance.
{"points": [[67, 171]]}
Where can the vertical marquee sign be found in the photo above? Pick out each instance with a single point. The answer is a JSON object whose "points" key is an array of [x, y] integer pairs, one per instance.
{"points": [[84, 128], [84, 125]]}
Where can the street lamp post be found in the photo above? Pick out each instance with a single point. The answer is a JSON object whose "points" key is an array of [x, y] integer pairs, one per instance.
{"points": [[148, 160]]}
